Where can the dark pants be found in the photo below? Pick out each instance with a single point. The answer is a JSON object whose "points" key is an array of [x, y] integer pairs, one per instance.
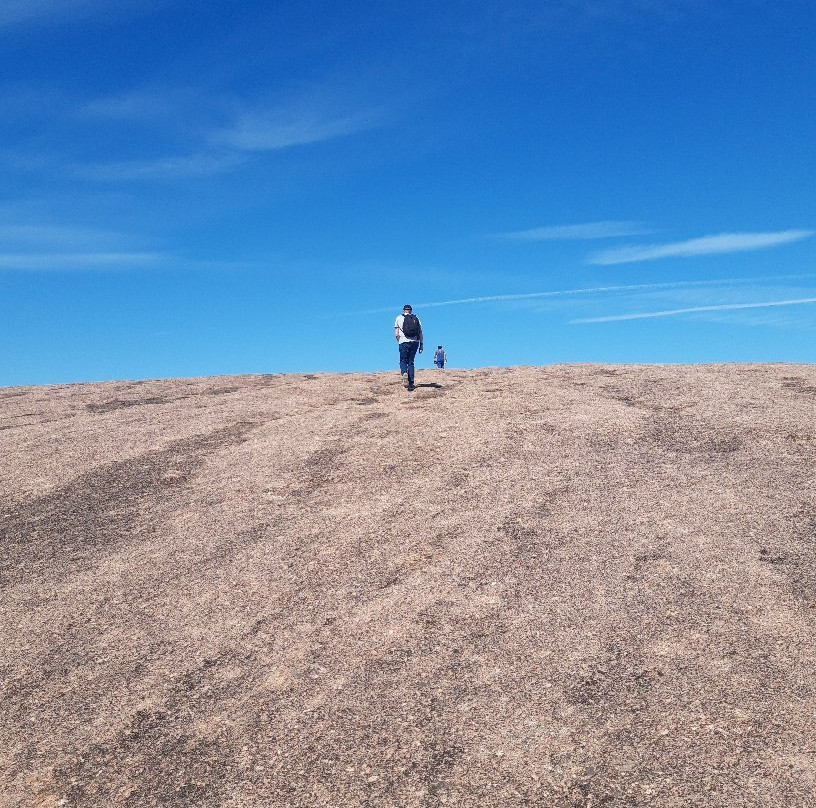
{"points": [[407, 351]]}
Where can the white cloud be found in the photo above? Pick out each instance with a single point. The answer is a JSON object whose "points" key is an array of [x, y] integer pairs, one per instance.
{"points": [[707, 245], [215, 149], [696, 309], [194, 165], [36, 262], [56, 261], [41, 247], [281, 129], [588, 230], [100, 259], [38, 236]]}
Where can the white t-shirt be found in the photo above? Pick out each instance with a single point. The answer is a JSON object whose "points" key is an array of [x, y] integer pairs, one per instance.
{"points": [[398, 324]]}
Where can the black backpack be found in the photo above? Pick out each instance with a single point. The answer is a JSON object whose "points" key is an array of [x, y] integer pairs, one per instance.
{"points": [[410, 326]]}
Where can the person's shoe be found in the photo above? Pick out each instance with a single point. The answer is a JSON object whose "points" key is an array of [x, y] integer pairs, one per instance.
{"points": [[405, 382], [410, 388]]}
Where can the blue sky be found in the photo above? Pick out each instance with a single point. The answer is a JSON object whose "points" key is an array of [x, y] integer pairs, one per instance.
{"points": [[201, 188]]}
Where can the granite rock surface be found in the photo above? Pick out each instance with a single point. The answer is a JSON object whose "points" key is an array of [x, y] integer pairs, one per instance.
{"points": [[568, 586]]}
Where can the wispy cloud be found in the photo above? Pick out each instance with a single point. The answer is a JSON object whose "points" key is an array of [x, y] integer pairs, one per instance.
{"points": [[215, 148], [586, 231], [163, 168], [696, 309], [293, 127], [707, 245], [61, 237], [56, 261], [40, 247]]}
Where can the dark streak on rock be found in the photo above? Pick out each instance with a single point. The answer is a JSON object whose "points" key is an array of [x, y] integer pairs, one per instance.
{"points": [[67, 529], [186, 771]]}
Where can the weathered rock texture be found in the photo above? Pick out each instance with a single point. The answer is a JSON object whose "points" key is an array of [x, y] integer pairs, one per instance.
{"points": [[561, 586]]}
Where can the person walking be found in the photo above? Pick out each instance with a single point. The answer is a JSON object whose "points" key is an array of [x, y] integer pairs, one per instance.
{"points": [[408, 333], [440, 357]]}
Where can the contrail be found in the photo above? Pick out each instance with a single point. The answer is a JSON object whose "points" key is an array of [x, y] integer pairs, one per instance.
{"points": [[640, 287], [721, 307], [588, 230]]}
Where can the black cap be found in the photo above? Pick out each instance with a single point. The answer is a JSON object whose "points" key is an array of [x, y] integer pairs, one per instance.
{"points": [[407, 306]]}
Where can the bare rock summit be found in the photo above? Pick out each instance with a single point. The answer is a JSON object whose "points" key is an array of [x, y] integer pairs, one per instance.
{"points": [[567, 586]]}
